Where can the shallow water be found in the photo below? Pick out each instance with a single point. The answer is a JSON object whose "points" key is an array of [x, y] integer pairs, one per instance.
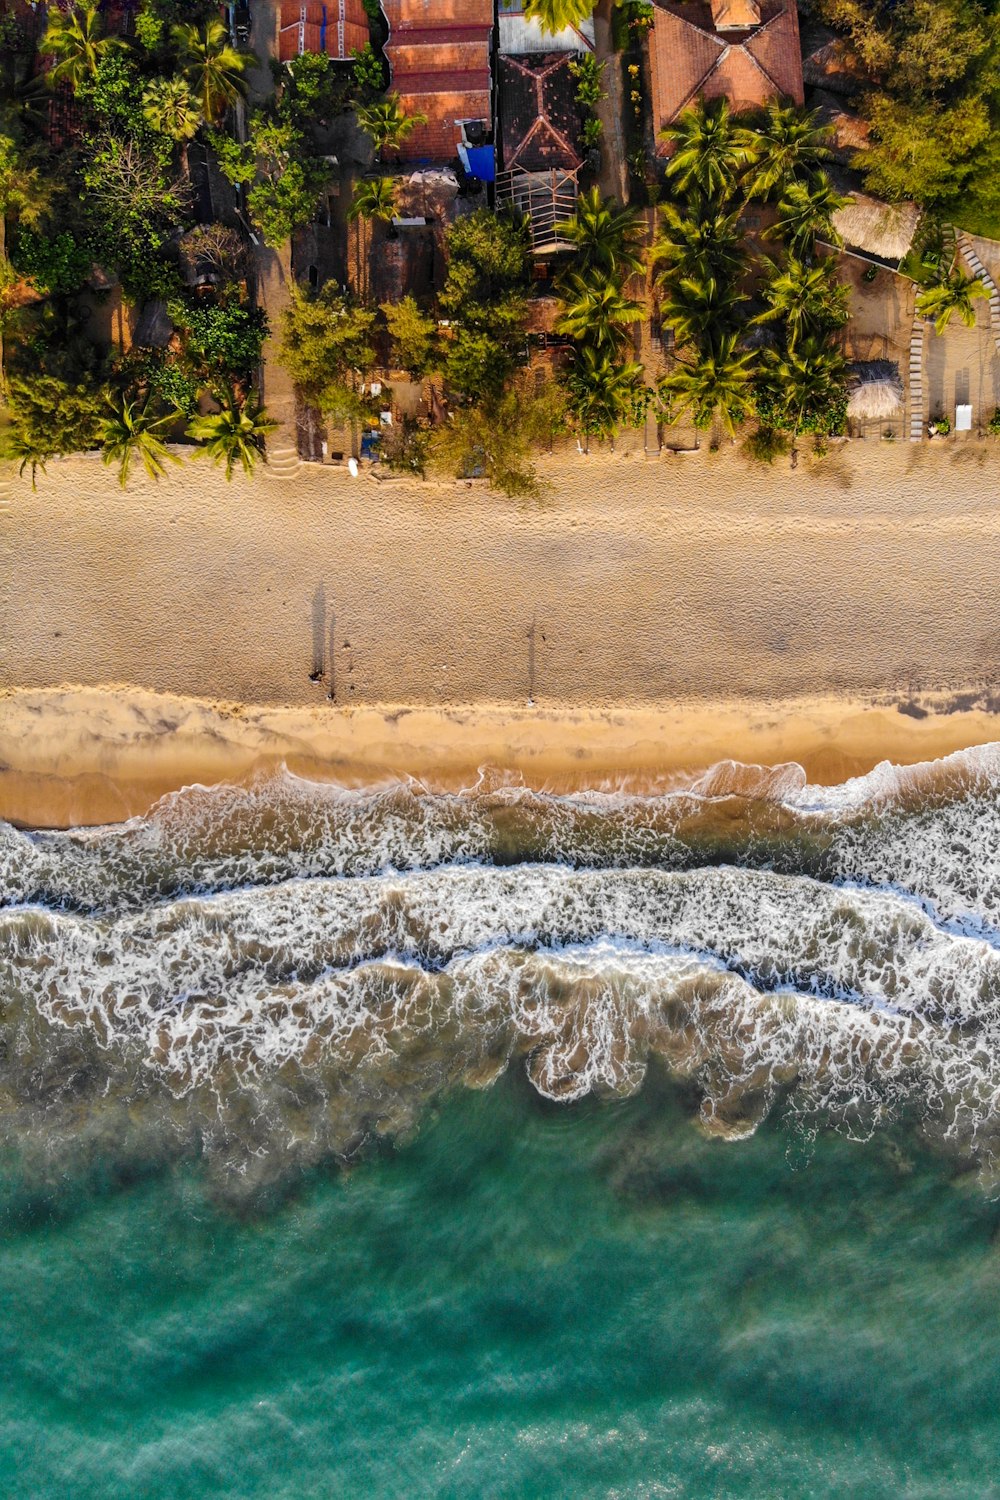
{"points": [[396, 1143]]}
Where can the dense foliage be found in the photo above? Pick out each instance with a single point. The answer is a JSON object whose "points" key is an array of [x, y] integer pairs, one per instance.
{"points": [[927, 84]]}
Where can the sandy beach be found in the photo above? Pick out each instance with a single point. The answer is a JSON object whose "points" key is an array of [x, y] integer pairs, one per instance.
{"points": [[645, 619]]}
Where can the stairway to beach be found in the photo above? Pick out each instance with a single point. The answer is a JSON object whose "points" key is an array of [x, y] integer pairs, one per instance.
{"points": [[917, 380], [282, 463], [971, 257]]}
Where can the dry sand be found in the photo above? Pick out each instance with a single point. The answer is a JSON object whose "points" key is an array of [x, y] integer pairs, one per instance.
{"points": [[659, 616]]}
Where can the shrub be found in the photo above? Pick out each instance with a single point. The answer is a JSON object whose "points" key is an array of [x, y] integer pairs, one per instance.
{"points": [[222, 339], [57, 265], [766, 444]]}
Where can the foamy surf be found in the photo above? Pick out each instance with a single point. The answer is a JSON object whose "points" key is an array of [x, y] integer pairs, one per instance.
{"points": [[277, 974]]}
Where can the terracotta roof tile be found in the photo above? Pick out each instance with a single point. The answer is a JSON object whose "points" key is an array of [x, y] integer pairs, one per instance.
{"points": [[439, 57], [539, 116], [688, 59], [336, 27], [735, 14]]}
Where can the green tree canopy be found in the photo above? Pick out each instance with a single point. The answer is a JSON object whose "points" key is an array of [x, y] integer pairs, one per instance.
{"points": [[710, 150], [596, 311], [132, 432], [413, 334], [235, 435], [214, 69], [605, 236], [327, 347], [75, 39]]}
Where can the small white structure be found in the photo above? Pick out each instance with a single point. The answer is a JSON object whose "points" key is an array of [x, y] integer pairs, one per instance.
{"points": [[963, 418]]}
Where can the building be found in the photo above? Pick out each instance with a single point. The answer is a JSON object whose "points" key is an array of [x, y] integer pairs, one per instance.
{"points": [[539, 139], [439, 55], [746, 51], [337, 27], [539, 116], [521, 37]]}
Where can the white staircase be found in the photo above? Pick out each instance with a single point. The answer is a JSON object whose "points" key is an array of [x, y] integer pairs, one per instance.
{"points": [[917, 380], [282, 463], [970, 255]]}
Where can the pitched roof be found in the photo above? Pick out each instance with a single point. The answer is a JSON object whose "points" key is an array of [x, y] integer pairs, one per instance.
{"points": [[690, 59], [439, 57], [539, 116], [336, 27], [729, 15], [886, 230]]}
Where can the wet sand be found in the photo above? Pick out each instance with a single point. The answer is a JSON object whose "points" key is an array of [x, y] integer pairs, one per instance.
{"points": [[643, 620]]}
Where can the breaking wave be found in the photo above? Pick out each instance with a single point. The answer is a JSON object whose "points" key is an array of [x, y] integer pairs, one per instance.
{"points": [[282, 974]]}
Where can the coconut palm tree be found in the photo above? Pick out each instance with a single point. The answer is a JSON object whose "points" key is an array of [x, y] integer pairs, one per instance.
{"points": [[807, 297], [606, 237], [555, 15], [235, 435], [596, 311], [604, 392], [374, 198], [211, 66], [806, 380], [73, 37], [386, 123], [789, 146], [31, 455], [700, 308], [956, 293], [716, 383], [698, 244], [172, 110], [805, 215], [709, 150], [131, 432]]}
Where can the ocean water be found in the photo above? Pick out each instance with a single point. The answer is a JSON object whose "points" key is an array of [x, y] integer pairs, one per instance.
{"points": [[396, 1143]]}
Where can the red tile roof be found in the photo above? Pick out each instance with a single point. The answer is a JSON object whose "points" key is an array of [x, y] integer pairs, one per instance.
{"points": [[336, 27], [539, 114], [439, 56], [690, 59]]}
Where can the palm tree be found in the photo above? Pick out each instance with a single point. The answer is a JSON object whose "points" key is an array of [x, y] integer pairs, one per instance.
{"points": [[596, 311], [790, 146], [235, 435], [700, 308], [808, 298], [386, 123], [607, 237], [132, 432], [956, 293], [716, 382], [709, 150], [805, 214], [699, 244], [374, 198], [604, 392], [806, 380], [212, 67], [172, 110], [73, 37], [31, 454], [556, 15]]}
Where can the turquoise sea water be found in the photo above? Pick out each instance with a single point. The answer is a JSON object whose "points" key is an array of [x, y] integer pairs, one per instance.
{"points": [[522, 1303], [401, 1146]]}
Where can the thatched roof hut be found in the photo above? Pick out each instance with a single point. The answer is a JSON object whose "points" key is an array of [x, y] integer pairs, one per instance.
{"points": [[883, 230], [875, 391]]}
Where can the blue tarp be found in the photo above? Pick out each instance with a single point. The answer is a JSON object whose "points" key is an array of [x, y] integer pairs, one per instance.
{"points": [[480, 162]]}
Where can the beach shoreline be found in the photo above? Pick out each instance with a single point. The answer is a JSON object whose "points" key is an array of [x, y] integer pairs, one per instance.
{"points": [[642, 622], [72, 757]]}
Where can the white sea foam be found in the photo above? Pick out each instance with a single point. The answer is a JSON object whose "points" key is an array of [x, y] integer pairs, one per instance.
{"points": [[295, 968]]}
